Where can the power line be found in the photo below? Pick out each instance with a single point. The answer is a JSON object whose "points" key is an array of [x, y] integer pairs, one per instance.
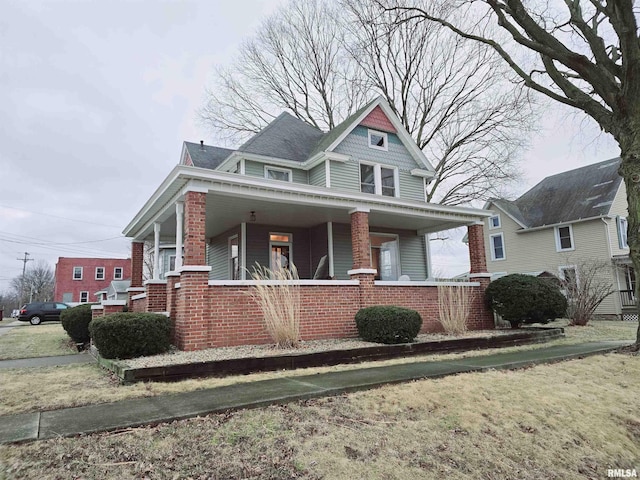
{"points": [[57, 216]]}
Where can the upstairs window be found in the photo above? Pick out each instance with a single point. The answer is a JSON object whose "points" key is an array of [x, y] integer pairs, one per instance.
{"points": [[281, 174], [77, 273], [378, 180], [564, 238], [494, 222], [99, 273], [378, 140], [117, 273], [497, 247], [623, 225]]}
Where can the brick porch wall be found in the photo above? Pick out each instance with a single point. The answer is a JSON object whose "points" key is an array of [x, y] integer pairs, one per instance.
{"points": [[139, 305], [233, 318]]}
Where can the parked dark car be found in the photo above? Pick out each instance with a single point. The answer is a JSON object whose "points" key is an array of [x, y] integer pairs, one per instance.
{"points": [[38, 312]]}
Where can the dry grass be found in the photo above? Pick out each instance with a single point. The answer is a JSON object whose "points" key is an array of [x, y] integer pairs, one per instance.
{"points": [[38, 341], [278, 296], [27, 390], [570, 420], [454, 307]]}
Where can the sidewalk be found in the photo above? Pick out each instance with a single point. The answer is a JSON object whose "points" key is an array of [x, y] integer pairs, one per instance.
{"points": [[130, 413], [52, 361]]}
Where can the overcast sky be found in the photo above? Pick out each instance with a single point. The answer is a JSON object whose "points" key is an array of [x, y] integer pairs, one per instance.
{"points": [[96, 98]]}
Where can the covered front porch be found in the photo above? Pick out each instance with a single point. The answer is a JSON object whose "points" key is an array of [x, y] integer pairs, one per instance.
{"points": [[350, 250]]}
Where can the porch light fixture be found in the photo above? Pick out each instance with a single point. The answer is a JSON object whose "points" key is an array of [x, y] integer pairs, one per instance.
{"points": [[252, 217]]}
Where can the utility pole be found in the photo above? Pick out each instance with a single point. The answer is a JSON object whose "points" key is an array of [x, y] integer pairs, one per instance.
{"points": [[24, 271]]}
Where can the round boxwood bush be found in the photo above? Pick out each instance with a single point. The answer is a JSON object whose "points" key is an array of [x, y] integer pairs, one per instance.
{"points": [[75, 321], [522, 299], [130, 335], [388, 324]]}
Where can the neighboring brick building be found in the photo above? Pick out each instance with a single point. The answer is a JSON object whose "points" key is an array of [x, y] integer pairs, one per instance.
{"points": [[78, 279]]}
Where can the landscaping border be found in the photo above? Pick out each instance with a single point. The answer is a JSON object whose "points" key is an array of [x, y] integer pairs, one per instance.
{"points": [[243, 366]]}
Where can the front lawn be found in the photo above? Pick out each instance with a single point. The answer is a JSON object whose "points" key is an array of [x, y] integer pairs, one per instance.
{"points": [[35, 341], [573, 419]]}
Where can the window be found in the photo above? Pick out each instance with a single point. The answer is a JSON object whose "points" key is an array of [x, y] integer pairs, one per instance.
{"points": [[378, 140], [67, 297], [564, 238], [497, 247], [77, 273], [385, 256], [282, 174], [84, 297], [99, 273], [378, 180], [117, 273], [234, 264], [281, 247], [388, 182], [623, 225], [367, 178], [569, 278], [494, 222]]}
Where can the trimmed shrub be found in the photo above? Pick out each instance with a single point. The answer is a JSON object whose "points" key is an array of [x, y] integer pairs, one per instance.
{"points": [[521, 299], [130, 335], [75, 321], [388, 324]]}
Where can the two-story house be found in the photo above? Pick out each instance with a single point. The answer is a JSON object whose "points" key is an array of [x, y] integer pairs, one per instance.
{"points": [[346, 207], [567, 219], [78, 279]]}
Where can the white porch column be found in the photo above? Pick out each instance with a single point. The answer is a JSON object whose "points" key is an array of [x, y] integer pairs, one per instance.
{"points": [[179, 233], [330, 247], [243, 251], [156, 251]]}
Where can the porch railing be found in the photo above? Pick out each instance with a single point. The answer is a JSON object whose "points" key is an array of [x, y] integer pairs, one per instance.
{"points": [[627, 298]]}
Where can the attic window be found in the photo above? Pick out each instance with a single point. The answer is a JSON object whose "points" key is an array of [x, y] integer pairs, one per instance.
{"points": [[282, 174], [378, 140], [494, 222]]}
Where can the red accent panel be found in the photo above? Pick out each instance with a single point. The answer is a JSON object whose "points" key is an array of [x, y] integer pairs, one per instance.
{"points": [[378, 120]]}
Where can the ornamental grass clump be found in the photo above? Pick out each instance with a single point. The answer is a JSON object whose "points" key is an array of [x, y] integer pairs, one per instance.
{"points": [[277, 293], [454, 308]]}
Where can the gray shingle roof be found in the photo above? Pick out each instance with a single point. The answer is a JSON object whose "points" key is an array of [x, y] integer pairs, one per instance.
{"points": [[285, 137], [206, 156], [585, 192]]}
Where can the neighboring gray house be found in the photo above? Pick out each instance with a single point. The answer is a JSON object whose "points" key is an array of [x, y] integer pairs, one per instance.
{"points": [[117, 290], [566, 219], [286, 193]]}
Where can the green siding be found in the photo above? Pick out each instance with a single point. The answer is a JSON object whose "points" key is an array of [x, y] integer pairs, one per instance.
{"points": [[345, 176], [342, 255], [318, 175], [218, 254], [411, 188], [318, 245], [412, 255], [412, 252], [256, 169], [356, 144]]}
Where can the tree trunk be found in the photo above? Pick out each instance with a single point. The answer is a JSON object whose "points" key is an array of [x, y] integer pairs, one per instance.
{"points": [[630, 172]]}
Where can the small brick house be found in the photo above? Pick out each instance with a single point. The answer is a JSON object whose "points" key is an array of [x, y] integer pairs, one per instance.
{"points": [[78, 279], [347, 207]]}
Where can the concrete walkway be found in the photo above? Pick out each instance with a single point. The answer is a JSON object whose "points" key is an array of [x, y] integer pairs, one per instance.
{"points": [[151, 410], [53, 361]]}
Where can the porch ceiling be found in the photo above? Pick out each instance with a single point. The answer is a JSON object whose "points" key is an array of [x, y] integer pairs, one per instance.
{"points": [[231, 199]]}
